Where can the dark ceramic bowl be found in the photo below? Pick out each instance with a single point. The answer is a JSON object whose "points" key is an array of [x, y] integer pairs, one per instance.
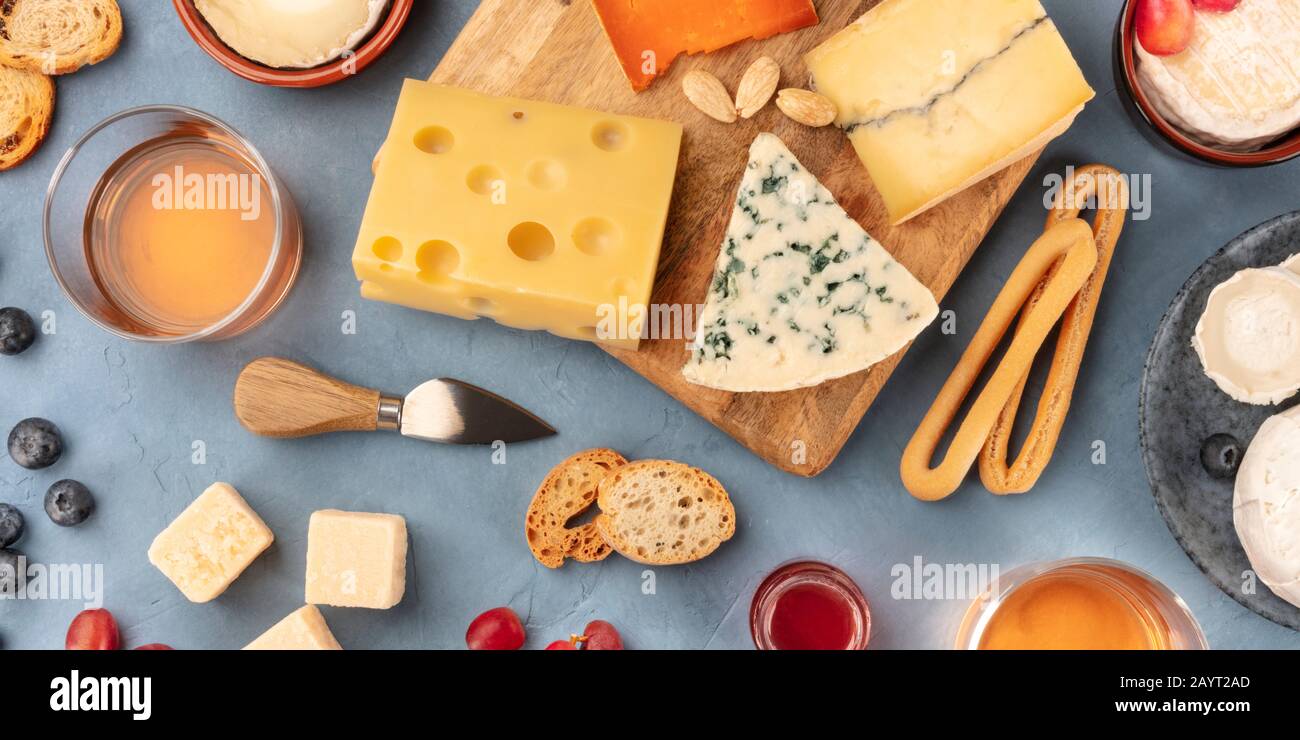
{"points": [[325, 74], [1288, 147], [1181, 407]]}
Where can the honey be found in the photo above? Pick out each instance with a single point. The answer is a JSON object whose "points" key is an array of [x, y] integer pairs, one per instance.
{"points": [[1080, 604], [1068, 611], [179, 233]]}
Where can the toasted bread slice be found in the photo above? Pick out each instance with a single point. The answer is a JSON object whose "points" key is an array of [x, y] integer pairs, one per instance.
{"points": [[567, 491], [26, 106], [56, 37], [660, 512]]}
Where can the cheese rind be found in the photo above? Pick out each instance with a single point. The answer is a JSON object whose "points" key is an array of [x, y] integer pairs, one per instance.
{"points": [[206, 548], [1266, 507], [647, 35], [801, 293], [1237, 86], [937, 95], [1248, 337], [539, 216], [304, 629], [356, 559], [292, 33]]}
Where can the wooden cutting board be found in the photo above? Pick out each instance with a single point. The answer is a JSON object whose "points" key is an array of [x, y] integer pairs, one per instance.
{"points": [[555, 50]]}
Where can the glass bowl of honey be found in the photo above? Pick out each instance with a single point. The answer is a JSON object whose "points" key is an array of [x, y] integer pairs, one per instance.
{"points": [[163, 224], [1079, 604]]}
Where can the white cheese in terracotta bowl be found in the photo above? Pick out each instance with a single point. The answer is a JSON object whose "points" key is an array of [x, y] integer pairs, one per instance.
{"points": [[1266, 505], [1237, 87], [1248, 339], [292, 34]]}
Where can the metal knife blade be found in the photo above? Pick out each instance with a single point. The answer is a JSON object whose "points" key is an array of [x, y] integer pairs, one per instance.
{"points": [[455, 412]]}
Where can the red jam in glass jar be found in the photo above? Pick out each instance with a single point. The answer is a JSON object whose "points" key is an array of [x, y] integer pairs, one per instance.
{"points": [[809, 606]]}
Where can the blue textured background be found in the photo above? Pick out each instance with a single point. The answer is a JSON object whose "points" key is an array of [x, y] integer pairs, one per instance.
{"points": [[131, 412]]}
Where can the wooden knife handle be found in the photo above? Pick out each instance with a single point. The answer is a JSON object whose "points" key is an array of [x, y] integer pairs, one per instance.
{"points": [[278, 398]]}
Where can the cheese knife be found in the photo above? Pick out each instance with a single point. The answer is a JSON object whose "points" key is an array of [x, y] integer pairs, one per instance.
{"points": [[275, 397]]}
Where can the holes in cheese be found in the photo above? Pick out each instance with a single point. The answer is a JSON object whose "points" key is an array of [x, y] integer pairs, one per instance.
{"points": [[483, 179], [437, 260], [387, 249], [546, 174], [480, 305], [434, 140], [609, 136], [531, 241], [596, 237], [541, 222]]}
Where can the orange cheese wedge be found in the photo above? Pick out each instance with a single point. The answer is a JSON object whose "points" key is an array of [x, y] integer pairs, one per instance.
{"points": [[648, 35]]}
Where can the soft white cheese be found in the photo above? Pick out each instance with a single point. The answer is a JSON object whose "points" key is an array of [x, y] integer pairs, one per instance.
{"points": [[1266, 504], [1292, 263], [1237, 87], [292, 33], [1248, 339], [801, 293]]}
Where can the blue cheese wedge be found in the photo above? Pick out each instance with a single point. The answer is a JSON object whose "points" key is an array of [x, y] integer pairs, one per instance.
{"points": [[801, 293]]}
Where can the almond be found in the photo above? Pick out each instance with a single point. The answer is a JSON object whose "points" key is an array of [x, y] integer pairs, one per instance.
{"points": [[807, 107], [708, 94], [757, 86]]}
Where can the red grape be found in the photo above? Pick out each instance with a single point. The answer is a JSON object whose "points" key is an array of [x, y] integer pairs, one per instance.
{"points": [[1164, 27], [155, 646], [601, 635], [495, 629], [562, 645], [93, 629]]}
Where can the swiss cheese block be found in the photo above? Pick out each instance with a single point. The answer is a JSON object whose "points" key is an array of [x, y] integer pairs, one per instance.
{"points": [[801, 293], [304, 629], [210, 543], [937, 95], [537, 215], [647, 35], [356, 559]]}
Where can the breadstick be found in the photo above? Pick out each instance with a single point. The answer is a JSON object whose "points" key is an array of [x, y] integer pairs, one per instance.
{"points": [[1054, 404], [1070, 243]]}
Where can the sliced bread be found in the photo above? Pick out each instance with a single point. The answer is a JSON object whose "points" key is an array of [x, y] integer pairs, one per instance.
{"points": [[660, 512], [26, 106], [58, 36], [566, 492]]}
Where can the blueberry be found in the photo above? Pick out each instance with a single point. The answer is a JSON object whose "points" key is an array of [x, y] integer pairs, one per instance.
{"points": [[35, 443], [11, 525], [69, 503], [17, 331], [1221, 455], [9, 572]]}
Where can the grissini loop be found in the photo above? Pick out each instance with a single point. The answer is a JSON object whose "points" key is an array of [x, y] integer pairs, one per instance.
{"points": [[1111, 191], [1069, 243]]}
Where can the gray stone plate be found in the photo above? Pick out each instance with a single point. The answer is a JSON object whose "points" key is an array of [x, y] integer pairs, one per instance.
{"points": [[1181, 408]]}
